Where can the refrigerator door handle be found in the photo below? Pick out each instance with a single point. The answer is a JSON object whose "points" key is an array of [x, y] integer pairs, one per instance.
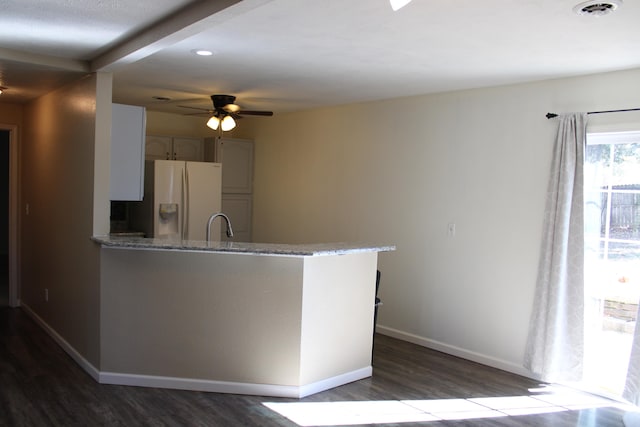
{"points": [[185, 202]]}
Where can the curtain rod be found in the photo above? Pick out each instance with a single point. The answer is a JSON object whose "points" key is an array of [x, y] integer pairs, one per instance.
{"points": [[552, 115]]}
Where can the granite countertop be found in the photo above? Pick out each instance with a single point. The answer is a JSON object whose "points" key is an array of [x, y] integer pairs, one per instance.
{"points": [[314, 249]]}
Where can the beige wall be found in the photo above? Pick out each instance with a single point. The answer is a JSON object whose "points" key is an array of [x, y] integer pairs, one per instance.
{"points": [[399, 171], [63, 187], [11, 114], [166, 124], [386, 172]]}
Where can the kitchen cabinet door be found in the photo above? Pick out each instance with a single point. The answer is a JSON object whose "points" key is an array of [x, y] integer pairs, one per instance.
{"points": [[236, 156], [238, 208], [188, 149], [173, 148], [159, 148], [127, 152]]}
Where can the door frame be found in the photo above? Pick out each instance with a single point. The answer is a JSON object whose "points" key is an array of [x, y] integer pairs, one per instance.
{"points": [[14, 218]]}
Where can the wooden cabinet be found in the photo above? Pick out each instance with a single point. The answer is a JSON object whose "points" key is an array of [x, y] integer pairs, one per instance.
{"points": [[127, 152], [173, 148]]}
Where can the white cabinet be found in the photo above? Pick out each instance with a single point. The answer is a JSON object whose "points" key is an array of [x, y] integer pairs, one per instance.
{"points": [[238, 208], [173, 148], [236, 156], [159, 148], [127, 152]]}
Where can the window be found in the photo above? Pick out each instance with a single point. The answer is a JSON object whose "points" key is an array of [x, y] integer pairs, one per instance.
{"points": [[612, 255]]}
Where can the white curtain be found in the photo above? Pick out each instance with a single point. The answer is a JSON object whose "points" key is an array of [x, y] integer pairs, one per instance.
{"points": [[555, 346]]}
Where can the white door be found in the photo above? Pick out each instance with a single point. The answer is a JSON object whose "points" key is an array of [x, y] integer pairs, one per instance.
{"points": [[204, 183]]}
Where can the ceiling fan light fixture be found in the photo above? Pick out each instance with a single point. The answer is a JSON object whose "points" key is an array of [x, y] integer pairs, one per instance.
{"points": [[398, 4], [224, 112], [227, 123], [213, 122]]}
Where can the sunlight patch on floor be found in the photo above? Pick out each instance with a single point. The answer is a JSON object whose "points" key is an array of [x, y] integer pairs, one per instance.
{"points": [[399, 411]]}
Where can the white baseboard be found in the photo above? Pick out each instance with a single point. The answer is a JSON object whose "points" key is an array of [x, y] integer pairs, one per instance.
{"points": [[77, 357], [272, 390], [326, 384], [455, 351]]}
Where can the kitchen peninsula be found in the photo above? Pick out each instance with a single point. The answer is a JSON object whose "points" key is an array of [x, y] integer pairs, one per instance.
{"points": [[265, 319]]}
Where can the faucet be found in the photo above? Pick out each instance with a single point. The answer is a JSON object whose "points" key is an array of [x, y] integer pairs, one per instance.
{"points": [[214, 216]]}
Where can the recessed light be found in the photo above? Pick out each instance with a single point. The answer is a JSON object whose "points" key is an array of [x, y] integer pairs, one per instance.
{"points": [[2, 89], [202, 52], [597, 7]]}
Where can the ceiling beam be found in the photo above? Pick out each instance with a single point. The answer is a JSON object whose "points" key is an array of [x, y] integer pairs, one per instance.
{"points": [[166, 32], [63, 64]]}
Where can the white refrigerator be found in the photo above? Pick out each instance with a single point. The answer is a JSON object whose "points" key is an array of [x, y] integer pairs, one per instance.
{"points": [[179, 198]]}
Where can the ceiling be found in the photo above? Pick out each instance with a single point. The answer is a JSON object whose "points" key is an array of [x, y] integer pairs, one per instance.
{"points": [[290, 55]]}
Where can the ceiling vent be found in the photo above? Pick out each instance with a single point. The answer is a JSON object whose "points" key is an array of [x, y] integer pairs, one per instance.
{"points": [[597, 7]]}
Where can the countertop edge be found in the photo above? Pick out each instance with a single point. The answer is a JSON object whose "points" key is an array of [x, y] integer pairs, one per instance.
{"points": [[313, 249]]}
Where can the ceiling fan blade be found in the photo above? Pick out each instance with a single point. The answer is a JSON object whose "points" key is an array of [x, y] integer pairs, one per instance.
{"points": [[255, 113], [208, 110], [204, 113]]}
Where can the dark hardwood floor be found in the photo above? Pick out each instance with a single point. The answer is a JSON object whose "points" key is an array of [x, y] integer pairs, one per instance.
{"points": [[41, 386]]}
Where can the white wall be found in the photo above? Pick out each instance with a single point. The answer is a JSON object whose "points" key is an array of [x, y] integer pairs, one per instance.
{"points": [[236, 323], [399, 171]]}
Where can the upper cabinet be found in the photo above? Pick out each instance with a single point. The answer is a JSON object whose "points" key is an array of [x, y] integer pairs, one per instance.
{"points": [[174, 148], [159, 148], [127, 152]]}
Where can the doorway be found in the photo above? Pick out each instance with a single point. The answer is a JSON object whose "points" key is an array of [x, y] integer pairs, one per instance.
{"points": [[612, 257], [9, 207], [5, 136]]}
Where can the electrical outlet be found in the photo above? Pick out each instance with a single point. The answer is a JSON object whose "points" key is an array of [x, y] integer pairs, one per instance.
{"points": [[451, 229], [46, 295]]}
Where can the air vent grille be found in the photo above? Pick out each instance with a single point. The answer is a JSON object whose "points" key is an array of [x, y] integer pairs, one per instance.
{"points": [[597, 7]]}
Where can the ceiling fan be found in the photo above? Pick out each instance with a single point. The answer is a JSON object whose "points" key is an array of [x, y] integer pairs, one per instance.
{"points": [[225, 112], [398, 4]]}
